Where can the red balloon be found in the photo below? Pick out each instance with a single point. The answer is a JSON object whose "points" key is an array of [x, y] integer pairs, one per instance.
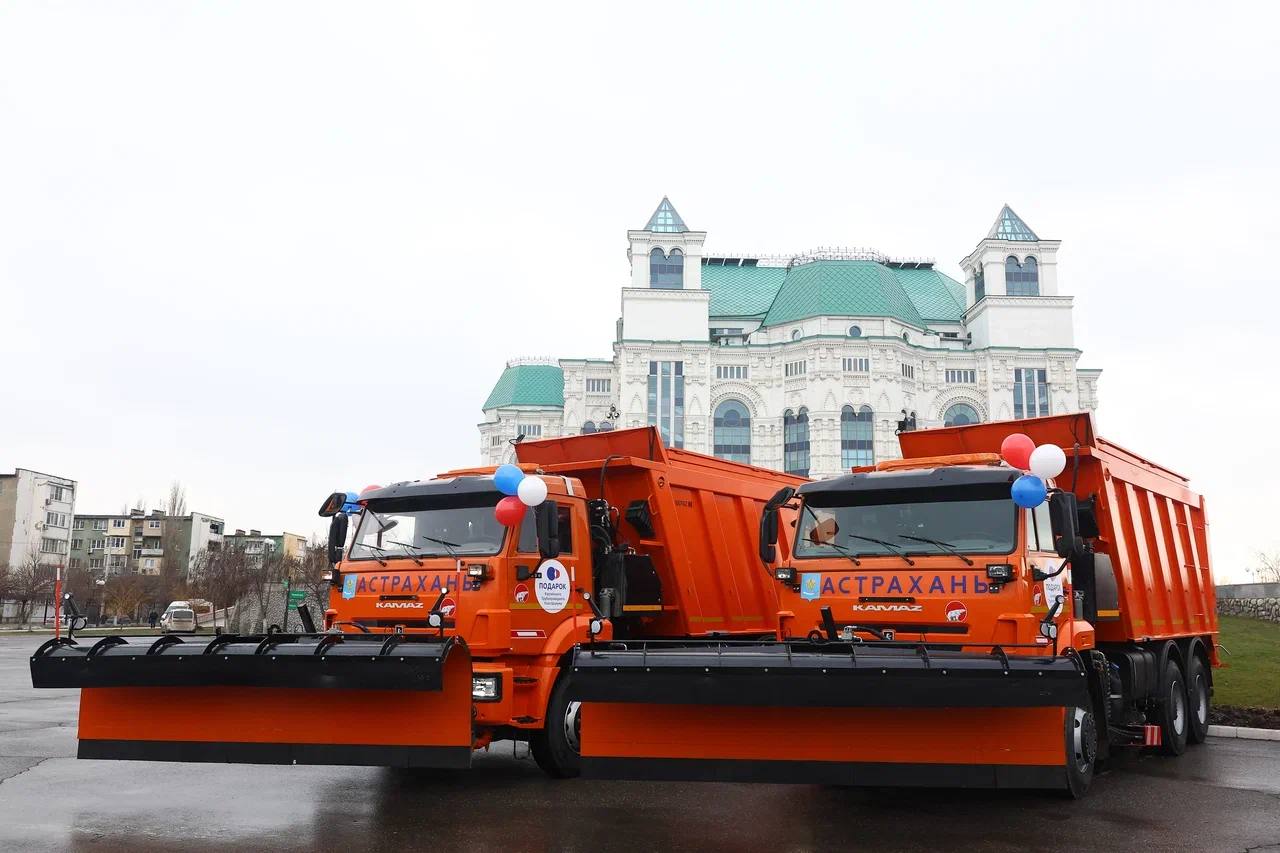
{"points": [[509, 511], [1016, 450], [369, 489]]}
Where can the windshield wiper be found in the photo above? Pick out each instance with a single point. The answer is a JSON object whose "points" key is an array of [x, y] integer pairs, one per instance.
{"points": [[950, 549], [408, 551], [449, 546], [840, 549], [894, 548], [380, 560]]}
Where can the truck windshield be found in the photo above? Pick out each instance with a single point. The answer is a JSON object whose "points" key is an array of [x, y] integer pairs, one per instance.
{"points": [[457, 525], [968, 520]]}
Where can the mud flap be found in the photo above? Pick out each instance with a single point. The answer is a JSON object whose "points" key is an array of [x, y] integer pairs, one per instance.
{"points": [[274, 699], [885, 716]]}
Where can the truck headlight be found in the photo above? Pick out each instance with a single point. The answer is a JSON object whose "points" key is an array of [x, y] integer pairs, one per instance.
{"points": [[786, 574], [486, 688], [478, 570], [1000, 572]]}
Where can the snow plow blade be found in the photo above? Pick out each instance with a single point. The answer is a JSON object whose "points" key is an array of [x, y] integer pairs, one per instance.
{"points": [[388, 700], [870, 714]]}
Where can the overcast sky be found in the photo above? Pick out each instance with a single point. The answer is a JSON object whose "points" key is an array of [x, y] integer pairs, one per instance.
{"points": [[277, 249]]}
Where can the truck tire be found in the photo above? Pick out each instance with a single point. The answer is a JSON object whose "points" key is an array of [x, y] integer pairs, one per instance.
{"points": [[1197, 701], [555, 748], [1172, 716], [1081, 735]]}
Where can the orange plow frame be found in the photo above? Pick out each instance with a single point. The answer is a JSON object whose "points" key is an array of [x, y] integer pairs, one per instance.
{"points": [[925, 747], [280, 725], [273, 699]]}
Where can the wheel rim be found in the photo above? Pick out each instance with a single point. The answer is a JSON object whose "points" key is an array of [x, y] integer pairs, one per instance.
{"points": [[1178, 702], [1084, 739], [572, 725], [1202, 700]]}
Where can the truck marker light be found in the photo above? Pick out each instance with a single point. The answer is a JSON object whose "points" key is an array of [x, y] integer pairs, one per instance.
{"points": [[786, 574]]}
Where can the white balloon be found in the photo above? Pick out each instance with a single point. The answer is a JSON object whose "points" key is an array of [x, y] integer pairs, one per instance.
{"points": [[1048, 461], [532, 491]]}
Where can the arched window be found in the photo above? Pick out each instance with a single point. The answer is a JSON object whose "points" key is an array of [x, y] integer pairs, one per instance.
{"points": [[857, 437], [1021, 279], [732, 432], [588, 427], [961, 414], [795, 334], [795, 442], [979, 284], [855, 331], [604, 426], [906, 338], [666, 272]]}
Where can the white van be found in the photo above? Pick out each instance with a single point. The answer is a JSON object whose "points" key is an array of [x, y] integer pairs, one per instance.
{"points": [[178, 616]]}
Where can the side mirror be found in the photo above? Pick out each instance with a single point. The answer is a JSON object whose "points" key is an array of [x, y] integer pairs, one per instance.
{"points": [[546, 517], [333, 504], [337, 537], [769, 524], [1064, 522]]}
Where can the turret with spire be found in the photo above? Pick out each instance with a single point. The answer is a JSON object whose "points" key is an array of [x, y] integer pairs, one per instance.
{"points": [[665, 254]]}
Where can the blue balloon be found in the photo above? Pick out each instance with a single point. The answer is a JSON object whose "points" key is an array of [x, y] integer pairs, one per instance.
{"points": [[1028, 491], [507, 478], [349, 506]]}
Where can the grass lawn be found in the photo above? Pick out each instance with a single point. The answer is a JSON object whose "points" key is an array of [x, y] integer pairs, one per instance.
{"points": [[1251, 677]]}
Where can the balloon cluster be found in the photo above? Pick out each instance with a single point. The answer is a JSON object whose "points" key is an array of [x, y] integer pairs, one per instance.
{"points": [[1042, 462], [521, 493]]}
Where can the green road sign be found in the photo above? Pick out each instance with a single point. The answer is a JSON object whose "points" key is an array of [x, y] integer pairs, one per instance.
{"points": [[297, 594]]}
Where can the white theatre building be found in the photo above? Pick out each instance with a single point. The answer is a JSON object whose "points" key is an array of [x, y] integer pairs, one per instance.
{"points": [[811, 363]]}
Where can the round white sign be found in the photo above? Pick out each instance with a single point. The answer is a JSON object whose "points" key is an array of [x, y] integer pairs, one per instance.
{"points": [[552, 587]]}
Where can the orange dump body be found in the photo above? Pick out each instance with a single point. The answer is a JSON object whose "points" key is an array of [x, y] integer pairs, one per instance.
{"points": [[702, 535]]}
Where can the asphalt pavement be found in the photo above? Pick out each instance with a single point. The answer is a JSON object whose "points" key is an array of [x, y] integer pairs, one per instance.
{"points": [[1224, 795]]}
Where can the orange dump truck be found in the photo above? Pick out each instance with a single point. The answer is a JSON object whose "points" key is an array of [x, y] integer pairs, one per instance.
{"points": [[445, 628], [930, 632]]}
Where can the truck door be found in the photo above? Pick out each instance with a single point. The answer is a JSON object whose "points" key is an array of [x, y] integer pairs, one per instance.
{"points": [[542, 591], [1041, 555]]}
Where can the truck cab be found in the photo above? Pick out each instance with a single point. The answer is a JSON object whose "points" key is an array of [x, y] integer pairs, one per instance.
{"points": [[926, 550], [430, 557]]}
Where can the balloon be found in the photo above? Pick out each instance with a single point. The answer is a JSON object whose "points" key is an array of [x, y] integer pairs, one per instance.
{"points": [[532, 491], [507, 478], [370, 489], [1016, 450], [1048, 461], [350, 505], [509, 511], [1028, 491]]}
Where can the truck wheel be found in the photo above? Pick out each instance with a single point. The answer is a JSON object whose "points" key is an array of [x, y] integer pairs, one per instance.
{"points": [[1197, 701], [556, 747], [1082, 750], [1172, 715]]}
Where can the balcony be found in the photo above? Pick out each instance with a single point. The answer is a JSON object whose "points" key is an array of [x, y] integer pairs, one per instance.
{"points": [[150, 552]]}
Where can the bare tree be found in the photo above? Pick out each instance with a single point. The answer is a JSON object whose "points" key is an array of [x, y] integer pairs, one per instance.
{"points": [[311, 573], [177, 502], [124, 595], [1266, 567], [266, 572], [221, 575], [29, 582]]}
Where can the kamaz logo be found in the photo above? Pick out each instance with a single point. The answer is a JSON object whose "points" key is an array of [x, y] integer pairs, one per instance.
{"points": [[890, 608], [400, 605]]}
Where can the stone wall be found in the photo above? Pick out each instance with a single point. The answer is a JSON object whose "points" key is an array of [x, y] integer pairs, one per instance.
{"points": [[1255, 600]]}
